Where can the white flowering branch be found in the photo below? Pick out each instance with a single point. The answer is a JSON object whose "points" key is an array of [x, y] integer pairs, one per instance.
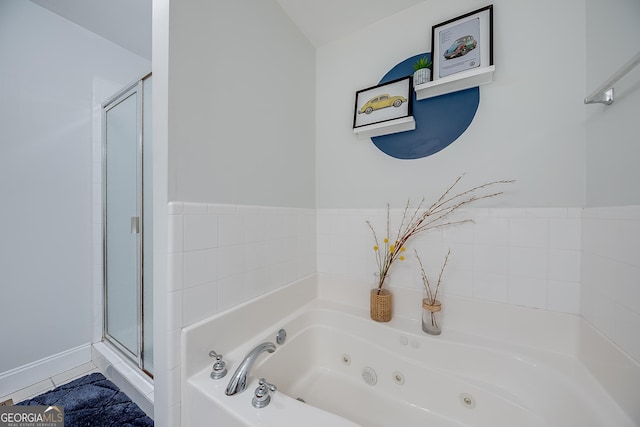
{"points": [[421, 220], [432, 295]]}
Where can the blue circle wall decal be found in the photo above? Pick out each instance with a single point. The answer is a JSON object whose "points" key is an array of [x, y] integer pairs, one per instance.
{"points": [[439, 120]]}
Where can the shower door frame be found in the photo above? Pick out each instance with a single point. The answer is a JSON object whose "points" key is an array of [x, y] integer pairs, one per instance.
{"points": [[135, 88]]}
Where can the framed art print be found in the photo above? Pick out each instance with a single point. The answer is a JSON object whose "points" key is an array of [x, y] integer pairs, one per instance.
{"points": [[387, 101], [462, 43]]}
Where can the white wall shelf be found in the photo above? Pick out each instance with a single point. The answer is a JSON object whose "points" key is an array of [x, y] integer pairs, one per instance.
{"points": [[402, 124], [455, 82]]}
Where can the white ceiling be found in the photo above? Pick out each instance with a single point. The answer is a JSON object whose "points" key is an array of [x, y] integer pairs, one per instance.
{"points": [[327, 20], [128, 22]]}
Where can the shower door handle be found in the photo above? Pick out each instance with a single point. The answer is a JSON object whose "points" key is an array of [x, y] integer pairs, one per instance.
{"points": [[135, 225]]}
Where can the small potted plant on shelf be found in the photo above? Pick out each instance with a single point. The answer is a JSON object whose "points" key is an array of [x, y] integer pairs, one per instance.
{"points": [[421, 71]]}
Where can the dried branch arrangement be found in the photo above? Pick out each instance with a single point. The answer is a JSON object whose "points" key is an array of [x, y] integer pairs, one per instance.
{"points": [[431, 294], [420, 219]]}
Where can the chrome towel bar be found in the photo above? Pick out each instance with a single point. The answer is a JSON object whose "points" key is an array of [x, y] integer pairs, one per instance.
{"points": [[604, 93]]}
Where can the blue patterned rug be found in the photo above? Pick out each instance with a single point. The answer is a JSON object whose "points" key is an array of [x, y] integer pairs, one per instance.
{"points": [[93, 401]]}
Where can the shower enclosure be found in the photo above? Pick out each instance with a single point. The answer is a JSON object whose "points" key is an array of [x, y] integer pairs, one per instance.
{"points": [[127, 222]]}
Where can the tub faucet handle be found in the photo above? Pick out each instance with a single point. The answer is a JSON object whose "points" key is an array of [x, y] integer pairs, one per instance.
{"points": [[261, 396], [219, 367]]}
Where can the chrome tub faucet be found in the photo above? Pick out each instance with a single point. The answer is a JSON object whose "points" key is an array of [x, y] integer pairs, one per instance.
{"points": [[238, 382]]}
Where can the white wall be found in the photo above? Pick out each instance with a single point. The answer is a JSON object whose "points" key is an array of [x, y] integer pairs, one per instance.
{"points": [[241, 105], [240, 132], [163, 352], [524, 250], [529, 125], [612, 142], [527, 257], [49, 68], [611, 232], [224, 255], [611, 274]]}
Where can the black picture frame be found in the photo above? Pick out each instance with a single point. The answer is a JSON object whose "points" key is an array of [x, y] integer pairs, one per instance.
{"points": [[462, 43], [369, 109]]}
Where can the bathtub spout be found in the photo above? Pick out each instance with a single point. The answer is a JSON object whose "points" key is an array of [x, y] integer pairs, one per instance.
{"points": [[238, 382]]}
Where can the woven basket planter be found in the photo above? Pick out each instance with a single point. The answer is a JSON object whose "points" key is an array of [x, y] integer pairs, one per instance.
{"points": [[381, 305]]}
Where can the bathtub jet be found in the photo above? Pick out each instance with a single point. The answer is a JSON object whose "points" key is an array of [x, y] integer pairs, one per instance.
{"points": [[238, 382]]}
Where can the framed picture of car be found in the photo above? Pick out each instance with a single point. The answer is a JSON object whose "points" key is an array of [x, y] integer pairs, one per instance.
{"points": [[462, 43], [384, 102]]}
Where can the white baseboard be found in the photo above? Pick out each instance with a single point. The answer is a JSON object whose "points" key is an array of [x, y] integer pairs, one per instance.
{"points": [[34, 372], [123, 374]]}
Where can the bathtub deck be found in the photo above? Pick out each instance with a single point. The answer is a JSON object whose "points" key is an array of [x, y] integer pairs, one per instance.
{"points": [[511, 367]]}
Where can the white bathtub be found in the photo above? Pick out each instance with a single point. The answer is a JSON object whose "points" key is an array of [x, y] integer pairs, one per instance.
{"points": [[333, 351]]}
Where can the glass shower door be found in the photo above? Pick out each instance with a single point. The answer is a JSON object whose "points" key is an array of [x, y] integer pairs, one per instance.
{"points": [[122, 242]]}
